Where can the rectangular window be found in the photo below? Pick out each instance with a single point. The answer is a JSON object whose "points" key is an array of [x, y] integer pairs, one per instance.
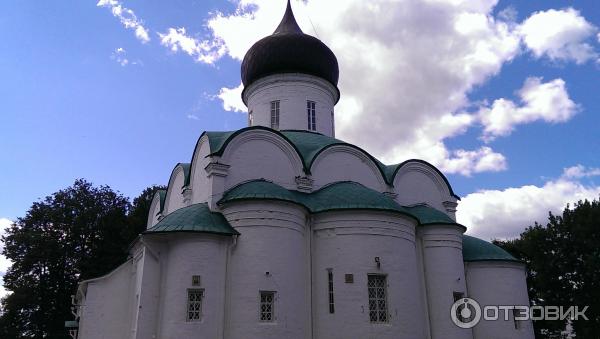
{"points": [[275, 114], [332, 125], [330, 290], [378, 312], [457, 296], [267, 306], [194, 304], [312, 119], [250, 118]]}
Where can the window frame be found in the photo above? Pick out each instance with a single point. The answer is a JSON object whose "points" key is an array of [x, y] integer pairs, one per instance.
{"points": [[189, 303], [311, 111], [332, 124], [275, 113], [262, 315], [330, 292], [382, 315]]}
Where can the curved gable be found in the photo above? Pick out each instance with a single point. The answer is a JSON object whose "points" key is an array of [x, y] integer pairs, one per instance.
{"points": [[261, 153], [200, 159], [417, 181], [156, 207], [344, 162], [311, 145], [180, 178], [392, 172]]}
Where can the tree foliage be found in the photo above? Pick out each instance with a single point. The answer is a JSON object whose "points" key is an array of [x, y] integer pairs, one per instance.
{"points": [[563, 261], [77, 233]]}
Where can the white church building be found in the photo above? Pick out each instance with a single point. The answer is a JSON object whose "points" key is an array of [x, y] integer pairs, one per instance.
{"points": [[280, 230]]}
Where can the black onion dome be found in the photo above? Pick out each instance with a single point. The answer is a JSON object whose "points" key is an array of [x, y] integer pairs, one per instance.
{"points": [[289, 50]]}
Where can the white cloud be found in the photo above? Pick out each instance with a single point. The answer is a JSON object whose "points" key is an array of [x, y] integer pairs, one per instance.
{"points": [[119, 56], [580, 171], [193, 117], [232, 99], [204, 51], [506, 213], [547, 101], [4, 262], [559, 35], [466, 162], [127, 18], [416, 62]]}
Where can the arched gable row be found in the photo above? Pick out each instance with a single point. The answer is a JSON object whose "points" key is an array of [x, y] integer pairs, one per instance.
{"points": [[299, 160]]}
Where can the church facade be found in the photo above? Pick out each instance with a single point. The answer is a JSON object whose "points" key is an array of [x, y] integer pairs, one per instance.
{"points": [[280, 230]]}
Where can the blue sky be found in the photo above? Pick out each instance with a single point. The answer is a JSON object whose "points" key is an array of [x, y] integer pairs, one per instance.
{"points": [[118, 92]]}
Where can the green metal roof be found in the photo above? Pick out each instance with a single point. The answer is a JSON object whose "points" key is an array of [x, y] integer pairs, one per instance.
{"points": [[162, 195], [428, 215], [337, 196], [186, 167], [218, 140], [475, 249], [193, 218], [261, 189], [186, 173], [309, 145], [350, 195]]}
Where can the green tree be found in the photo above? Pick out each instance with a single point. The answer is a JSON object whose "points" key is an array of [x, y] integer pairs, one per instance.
{"points": [[77, 233], [563, 261], [140, 208]]}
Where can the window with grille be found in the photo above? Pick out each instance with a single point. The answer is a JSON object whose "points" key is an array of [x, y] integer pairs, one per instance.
{"points": [[275, 114], [194, 305], [267, 306], [377, 298], [312, 119], [330, 291]]}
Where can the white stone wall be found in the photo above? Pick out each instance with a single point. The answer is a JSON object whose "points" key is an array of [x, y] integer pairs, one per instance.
{"points": [[174, 198], [187, 255], [347, 243], [257, 154], [147, 290], [499, 283], [444, 275], [417, 182], [292, 90], [148, 296], [199, 178], [153, 212], [269, 255], [344, 163], [108, 305]]}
